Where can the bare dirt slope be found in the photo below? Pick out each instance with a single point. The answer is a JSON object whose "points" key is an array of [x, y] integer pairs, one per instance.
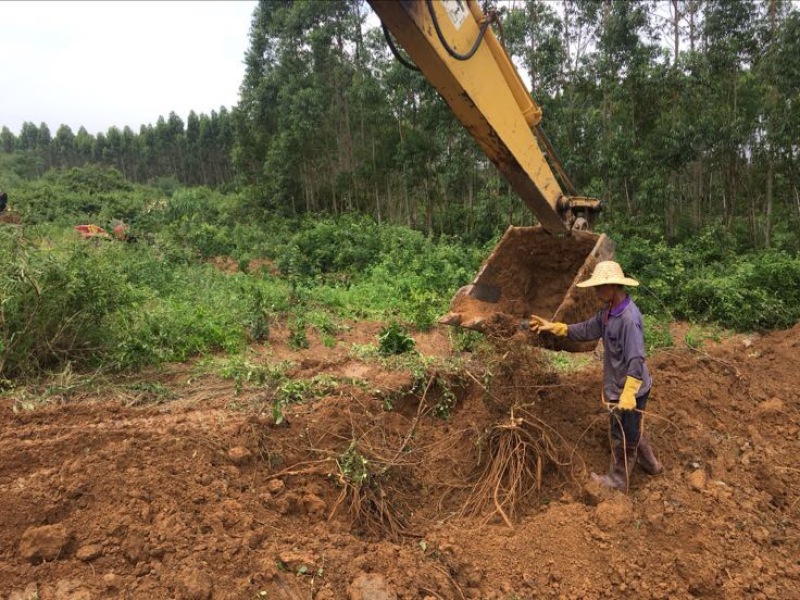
{"points": [[202, 496]]}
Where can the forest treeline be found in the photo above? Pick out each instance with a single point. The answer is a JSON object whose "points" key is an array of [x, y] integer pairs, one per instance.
{"points": [[197, 152], [680, 115]]}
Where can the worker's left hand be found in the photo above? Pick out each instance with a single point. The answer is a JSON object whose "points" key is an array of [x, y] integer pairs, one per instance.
{"points": [[627, 399]]}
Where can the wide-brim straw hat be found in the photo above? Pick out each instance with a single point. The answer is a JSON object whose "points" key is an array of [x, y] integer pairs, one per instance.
{"points": [[607, 272]]}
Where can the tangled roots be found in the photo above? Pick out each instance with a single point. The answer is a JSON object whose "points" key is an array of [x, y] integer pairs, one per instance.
{"points": [[518, 452], [363, 495]]}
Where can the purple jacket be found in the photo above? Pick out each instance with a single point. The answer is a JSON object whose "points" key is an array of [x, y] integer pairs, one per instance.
{"points": [[622, 331]]}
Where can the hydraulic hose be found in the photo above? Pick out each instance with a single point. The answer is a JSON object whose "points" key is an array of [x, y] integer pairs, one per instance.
{"points": [[457, 55]]}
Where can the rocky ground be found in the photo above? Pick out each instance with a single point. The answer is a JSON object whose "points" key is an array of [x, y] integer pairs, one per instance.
{"points": [[176, 484]]}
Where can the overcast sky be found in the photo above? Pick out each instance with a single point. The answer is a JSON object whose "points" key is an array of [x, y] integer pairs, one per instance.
{"points": [[115, 62]]}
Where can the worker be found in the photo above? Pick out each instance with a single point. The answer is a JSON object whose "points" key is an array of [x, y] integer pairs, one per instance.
{"points": [[626, 379], [3, 201]]}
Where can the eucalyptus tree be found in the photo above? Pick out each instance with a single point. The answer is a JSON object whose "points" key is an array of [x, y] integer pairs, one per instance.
{"points": [[220, 151], [130, 155], [785, 113], [99, 149], [64, 146], [28, 137], [84, 142], [195, 171], [776, 70], [169, 135], [44, 143], [207, 132], [146, 151], [8, 140], [113, 153], [294, 123], [375, 129], [733, 104], [256, 116]]}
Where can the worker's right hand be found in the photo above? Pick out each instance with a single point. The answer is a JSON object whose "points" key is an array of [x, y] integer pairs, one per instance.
{"points": [[538, 324]]}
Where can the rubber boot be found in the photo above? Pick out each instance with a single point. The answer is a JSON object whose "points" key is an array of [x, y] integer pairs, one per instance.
{"points": [[646, 458], [622, 463]]}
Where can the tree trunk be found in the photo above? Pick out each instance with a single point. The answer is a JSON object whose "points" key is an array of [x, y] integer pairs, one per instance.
{"points": [[768, 211]]}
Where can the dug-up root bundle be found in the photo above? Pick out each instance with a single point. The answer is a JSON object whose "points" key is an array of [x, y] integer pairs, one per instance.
{"points": [[516, 455], [363, 496]]}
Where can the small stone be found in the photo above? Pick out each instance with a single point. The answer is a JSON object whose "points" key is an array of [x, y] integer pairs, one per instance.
{"points": [[760, 535], [43, 543], [371, 586], [294, 560], [771, 407], [275, 486], [195, 585], [89, 553], [240, 455], [30, 591], [111, 580], [614, 511], [697, 480]]}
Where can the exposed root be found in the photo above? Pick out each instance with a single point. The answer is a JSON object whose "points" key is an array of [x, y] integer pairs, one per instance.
{"points": [[518, 452], [450, 580], [369, 508], [519, 449], [363, 495]]}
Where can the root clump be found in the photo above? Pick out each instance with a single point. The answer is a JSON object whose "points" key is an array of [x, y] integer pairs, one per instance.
{"points": [[519, 449]]}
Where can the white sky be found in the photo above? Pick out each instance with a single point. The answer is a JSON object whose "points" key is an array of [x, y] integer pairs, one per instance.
{"points": [[119, 63]]}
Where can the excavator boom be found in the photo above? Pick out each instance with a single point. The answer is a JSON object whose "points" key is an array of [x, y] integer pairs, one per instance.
{"points": [[451, 42]]}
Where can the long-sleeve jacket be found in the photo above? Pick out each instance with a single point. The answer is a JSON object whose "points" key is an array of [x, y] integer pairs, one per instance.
{"points": [[622, 331]]}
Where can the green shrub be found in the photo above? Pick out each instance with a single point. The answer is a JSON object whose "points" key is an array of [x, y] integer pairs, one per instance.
{"points": [[394, 339], [322, 246], [709, 279], [657, 335], [57, 304]]}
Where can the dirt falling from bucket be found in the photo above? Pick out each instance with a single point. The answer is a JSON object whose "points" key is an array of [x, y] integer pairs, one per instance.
{"points": [[534, 273]]}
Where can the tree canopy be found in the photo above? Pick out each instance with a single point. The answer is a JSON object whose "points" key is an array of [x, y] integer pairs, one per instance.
{"points": [[678, 114]]}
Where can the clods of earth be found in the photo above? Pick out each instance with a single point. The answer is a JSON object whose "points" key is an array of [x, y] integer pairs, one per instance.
{"points": [[354, 477]]}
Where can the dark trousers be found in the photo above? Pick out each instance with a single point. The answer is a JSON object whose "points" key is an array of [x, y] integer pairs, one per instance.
{"points": [[626, 425]]}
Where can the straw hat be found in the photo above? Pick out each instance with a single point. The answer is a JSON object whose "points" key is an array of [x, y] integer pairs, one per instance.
{"points": [[607, 272]]}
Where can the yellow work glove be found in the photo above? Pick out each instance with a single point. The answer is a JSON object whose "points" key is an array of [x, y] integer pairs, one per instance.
{"points": [[627, 399], [538, 324]]}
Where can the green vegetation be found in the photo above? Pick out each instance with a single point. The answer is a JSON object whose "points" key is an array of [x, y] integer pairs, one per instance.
{"points": [[294, 391], [122, 306], [353, 466], [394, 339], [707, 281]]}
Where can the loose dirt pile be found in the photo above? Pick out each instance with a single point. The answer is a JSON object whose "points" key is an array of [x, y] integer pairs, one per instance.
{"points": [[368, 491]]}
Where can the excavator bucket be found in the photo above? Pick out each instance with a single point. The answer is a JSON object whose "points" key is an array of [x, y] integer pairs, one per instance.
{"points": [[532, 272]]}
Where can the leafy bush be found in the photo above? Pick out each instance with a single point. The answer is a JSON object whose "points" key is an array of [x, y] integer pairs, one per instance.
{"points": [[57, 304], [657, 335], [413, 280], [81, 195], [710, 280], [121, 306], [66, 301], [394, 339], [322, 246]]}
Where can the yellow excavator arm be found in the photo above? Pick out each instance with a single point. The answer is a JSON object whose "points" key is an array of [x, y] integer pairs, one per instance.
{"points": [[451, 42], [532, 270]]}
